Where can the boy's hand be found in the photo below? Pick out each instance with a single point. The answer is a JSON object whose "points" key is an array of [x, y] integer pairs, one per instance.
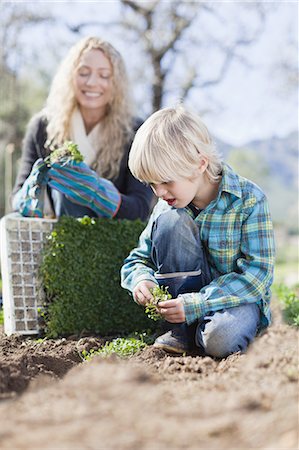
{"points": [[142, 293], [172, 310]]}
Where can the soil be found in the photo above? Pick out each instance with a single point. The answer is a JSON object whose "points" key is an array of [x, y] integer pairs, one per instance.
{"points": [[52, 399]]}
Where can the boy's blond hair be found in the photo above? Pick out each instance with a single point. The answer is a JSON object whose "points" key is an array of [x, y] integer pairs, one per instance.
{"points": [[169, 145]]}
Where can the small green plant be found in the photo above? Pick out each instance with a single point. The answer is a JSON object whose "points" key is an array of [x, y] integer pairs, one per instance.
{"points": [[290, 301], [1, 317], [122, 346], [160, 294], [68, 152]]}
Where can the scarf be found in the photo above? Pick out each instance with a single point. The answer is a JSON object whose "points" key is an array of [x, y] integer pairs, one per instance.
{"points": [[87, 143]]}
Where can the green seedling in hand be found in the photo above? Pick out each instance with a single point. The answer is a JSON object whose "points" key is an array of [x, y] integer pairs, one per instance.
{"points": [[67, 153], [160, 294]]}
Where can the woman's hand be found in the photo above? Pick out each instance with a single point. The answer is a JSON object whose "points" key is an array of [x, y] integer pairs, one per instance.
{"points": [[172, 310], [29, 201], [142, 293], [82, 185]]}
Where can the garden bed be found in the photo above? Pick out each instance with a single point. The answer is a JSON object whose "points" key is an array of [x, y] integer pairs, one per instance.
{"points": [[52, 398]]}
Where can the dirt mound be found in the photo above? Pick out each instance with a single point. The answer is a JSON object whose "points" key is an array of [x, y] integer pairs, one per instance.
{"points": [[152, 400], [23, 359]]}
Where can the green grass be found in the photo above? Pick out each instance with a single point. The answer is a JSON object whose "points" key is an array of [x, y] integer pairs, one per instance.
{"points": [[289, 299]]}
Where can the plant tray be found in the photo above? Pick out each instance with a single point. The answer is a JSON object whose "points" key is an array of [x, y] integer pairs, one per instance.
{"points": [[22, 241]]}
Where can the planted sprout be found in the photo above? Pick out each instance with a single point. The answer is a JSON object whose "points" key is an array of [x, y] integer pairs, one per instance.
{"points": [[160, 294], [122, 346], [67, 153]]}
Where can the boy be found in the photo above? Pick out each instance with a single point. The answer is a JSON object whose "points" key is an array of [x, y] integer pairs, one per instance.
{"points": [[209, 239]]}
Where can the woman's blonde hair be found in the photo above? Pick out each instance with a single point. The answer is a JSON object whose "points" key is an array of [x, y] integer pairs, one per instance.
{"points": [[116, 126], [169, 145]]}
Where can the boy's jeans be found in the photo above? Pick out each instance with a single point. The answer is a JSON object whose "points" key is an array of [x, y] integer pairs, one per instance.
{"points": [[177, 249]]}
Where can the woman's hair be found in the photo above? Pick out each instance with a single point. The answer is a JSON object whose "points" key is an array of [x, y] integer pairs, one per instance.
{"points": [[169, 145], [116, 126]]}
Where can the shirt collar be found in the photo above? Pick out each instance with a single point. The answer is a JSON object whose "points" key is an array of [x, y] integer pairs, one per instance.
{"points": [[230, 182]]}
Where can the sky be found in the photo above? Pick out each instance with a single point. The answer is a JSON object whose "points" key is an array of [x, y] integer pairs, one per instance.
{"points": [[258, 102], [252, 102]]}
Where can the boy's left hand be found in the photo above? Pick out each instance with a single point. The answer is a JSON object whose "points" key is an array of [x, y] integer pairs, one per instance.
{"points": [[172, 310]]}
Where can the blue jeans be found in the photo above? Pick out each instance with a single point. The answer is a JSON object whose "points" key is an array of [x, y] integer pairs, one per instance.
{"points": [[180, 258]]}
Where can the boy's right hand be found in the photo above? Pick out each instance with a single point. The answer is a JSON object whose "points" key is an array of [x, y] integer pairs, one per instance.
{"points": [[142, 293]]}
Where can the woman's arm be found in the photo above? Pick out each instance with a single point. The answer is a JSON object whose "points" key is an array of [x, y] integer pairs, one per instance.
{"points": [[136, 200], [32, 149]]}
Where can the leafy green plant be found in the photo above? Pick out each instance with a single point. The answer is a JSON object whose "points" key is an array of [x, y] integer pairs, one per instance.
{"points": [[80, 275], [160, 294], [1, 317], [121, 346], [290, 301], [66, 153]]}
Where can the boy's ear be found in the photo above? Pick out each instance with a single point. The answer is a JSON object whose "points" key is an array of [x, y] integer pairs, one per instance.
{"points": [[203, 164]]}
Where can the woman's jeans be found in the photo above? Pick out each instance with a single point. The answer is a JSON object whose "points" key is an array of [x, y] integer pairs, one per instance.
{"points": [[178, 254]]}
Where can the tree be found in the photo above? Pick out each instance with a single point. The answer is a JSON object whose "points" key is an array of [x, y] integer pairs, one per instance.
{"points": [[13, 112], [175, 48], [15, 109]]}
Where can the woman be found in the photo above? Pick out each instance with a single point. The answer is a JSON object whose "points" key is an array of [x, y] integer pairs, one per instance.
{"points": [[88, 104]]}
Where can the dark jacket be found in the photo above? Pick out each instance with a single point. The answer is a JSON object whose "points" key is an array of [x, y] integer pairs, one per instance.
{"points": [[136, 198]]}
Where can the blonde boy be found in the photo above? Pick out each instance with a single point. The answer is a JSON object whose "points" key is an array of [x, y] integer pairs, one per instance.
{"points": [[209, 238]]}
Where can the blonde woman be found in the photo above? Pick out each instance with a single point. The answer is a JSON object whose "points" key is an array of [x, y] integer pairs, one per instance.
{"points": [[89, 104], [209, 239]]}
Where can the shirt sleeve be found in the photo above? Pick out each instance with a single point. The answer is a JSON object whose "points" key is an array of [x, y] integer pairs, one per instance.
{"points": [[138, 265], [251, 281]]}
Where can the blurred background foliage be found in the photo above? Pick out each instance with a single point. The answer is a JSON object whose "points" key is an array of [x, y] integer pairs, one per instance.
{"points": [[177, 50]]}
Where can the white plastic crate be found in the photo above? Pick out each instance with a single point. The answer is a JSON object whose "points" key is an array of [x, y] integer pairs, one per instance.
{"points": [[22, 240]]}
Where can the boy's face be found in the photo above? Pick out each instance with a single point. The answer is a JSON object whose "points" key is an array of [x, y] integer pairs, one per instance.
{"points": [[197, 189], [177, 193]]}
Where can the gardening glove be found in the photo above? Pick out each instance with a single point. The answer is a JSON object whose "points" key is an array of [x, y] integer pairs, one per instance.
{"points": [[29, 200], [82, 185]]}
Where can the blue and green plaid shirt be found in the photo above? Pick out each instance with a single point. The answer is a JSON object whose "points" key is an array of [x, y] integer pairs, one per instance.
{"points": [[236, 230]]}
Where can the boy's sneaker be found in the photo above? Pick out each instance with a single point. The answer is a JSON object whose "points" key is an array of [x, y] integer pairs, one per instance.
{"points": [[174, 341]]}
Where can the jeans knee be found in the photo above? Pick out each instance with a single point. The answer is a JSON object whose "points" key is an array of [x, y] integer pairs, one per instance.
{"points": [[219, 345], [224, 337], [175, 221]]}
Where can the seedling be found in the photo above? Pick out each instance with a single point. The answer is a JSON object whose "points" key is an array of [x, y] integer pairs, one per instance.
{"points": [[160, 294], [65, 154], [122, 346]]}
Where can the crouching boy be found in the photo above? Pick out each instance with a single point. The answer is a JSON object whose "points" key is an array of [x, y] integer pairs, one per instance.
{"points": [[209, 239]]}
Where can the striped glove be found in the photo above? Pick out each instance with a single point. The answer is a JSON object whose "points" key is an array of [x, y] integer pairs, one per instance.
{"points": [[82, 185], [29, 199]]}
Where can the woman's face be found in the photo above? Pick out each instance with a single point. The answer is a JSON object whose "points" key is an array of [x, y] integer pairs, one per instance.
{"points": [[93, 81]]}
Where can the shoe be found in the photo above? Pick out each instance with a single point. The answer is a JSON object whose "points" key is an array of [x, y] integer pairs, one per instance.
{"points": [[174, 341]]}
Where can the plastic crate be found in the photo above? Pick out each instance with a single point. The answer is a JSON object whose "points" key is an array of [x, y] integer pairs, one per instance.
{"points": [[22, 240]]}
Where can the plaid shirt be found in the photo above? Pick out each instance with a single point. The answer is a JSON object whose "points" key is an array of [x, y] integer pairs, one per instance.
{"points": [[237, 233]]}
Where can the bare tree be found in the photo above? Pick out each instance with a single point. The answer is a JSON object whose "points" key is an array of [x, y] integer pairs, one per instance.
{"points": [[181, 46], [159, 42], [14, 113], [14, 18]]}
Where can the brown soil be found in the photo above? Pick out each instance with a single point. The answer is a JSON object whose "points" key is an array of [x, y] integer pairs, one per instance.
{"points": [[51, 399]]}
